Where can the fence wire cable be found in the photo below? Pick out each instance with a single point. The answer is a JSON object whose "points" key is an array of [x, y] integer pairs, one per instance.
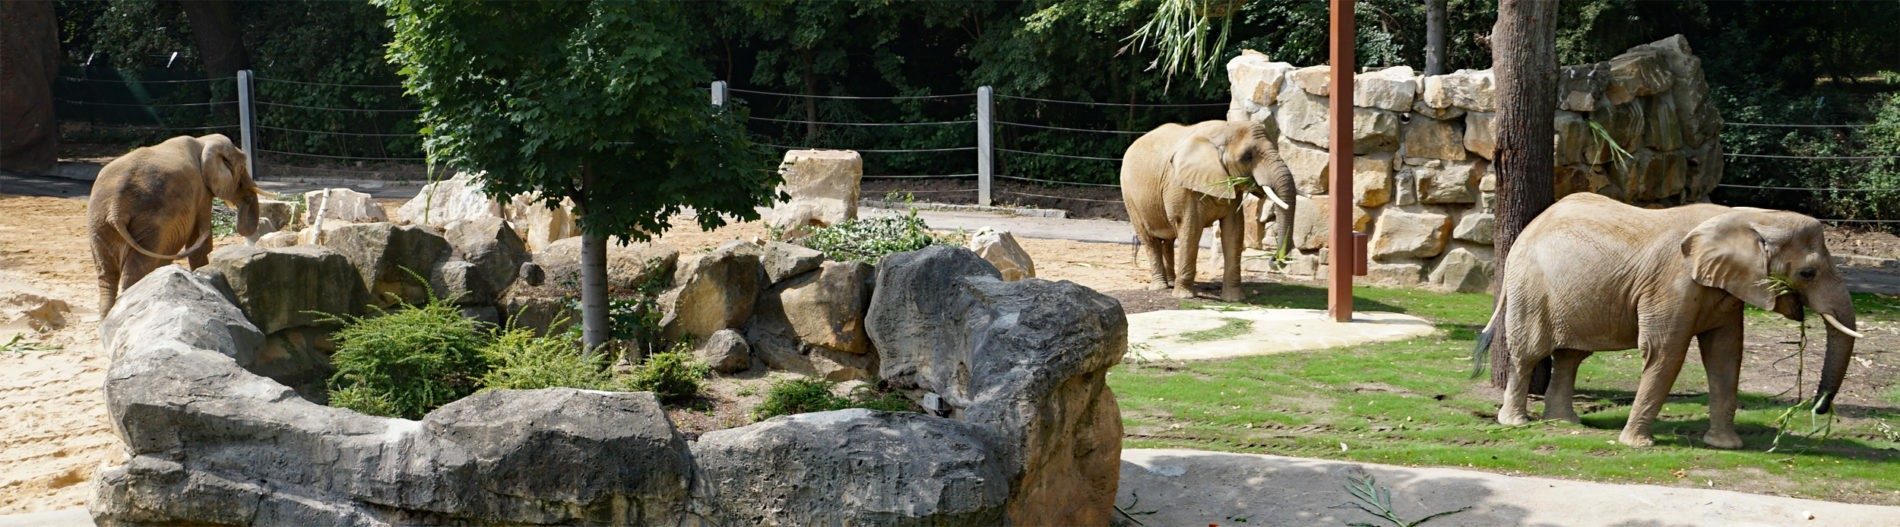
{"points": [[326, 132], [1052, 182], [1089, 158], [945, 176], [876, 150], [308, 83], [1066, 129], [1766, 187], [348, 158], [1833, 158], [1787, 125], [1015, 193], [124, 81], [329, 109], [136, 105], [833, 123], [1118, 104], [852, 98]]}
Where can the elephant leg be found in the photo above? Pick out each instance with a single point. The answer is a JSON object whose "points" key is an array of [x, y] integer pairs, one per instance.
{"points": [[1722, 358], [1528, 347], [107, 257], [1187, 252], [1662, 361], [1167, 263], [135, 267], [1232, 234], [1157, 262], [200, 258], [1559, 396]]}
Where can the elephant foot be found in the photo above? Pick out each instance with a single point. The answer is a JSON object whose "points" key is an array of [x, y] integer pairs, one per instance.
{"points": [[1726, 439], [1570, 417], [1513, 418], [1230, 294], [1183, 292], [1636, 440], [1157, 285]]}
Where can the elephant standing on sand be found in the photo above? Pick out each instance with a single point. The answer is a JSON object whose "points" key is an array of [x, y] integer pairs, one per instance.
{"points": [[1592, 274], [1176, 180], [152, 206]]}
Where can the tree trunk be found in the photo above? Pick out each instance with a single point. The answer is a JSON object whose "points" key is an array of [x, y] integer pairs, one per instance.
{"points": [[1524, 58], [811, 103], [220, 42], [595, 331], [1435, 37], [29, 60]]}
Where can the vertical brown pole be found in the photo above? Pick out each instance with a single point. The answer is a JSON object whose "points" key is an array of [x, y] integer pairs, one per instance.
{"points": [[1339, 288]]}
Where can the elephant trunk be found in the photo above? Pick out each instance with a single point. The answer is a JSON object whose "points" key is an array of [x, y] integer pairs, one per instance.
{"points": [[1273, 174], [1837, 313], [247, 216]]}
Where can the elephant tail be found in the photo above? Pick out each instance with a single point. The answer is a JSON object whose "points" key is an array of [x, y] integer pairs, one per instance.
{"points": [[134, 243], [1480, 353]]}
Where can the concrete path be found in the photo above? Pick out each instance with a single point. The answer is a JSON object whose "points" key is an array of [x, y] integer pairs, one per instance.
{"points": [[1198, 334], [1190, 487]]}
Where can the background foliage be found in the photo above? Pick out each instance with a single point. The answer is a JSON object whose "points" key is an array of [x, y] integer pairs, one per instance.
{"points": [[1769, 62]]}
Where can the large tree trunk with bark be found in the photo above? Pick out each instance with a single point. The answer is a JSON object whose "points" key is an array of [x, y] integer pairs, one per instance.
{"points": [[29, 60], [1524, 59], [1435, 37], [220, 42], [595, 330]]}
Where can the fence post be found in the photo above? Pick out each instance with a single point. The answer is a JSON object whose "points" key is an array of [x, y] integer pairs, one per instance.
{"points": [[984, 121], [719, 93], [246, 135]]}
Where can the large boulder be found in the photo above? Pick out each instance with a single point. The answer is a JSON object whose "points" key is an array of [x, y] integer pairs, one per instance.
{"points": [[288, 288], [854, 467], [1403, 234], [1256, 82], [1026, 359], [1581, 88], [1392, 89], [29, 61], [1001, 250], [450, 200], [712, 291], [493, 252], [783, 261], [397, 264], [539, 224], [1372, 180], [725, 351], [341, 204], [281, 215], [1463, 270], [814, 323], [1470, 90], [1309, 165], [1435, 139], [823, 185], [1450, 181]]}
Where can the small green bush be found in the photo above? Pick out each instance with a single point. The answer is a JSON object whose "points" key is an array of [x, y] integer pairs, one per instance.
{"points": [[406, 362], [674, 376], [523, 361], [870, 239], [805, 395]]}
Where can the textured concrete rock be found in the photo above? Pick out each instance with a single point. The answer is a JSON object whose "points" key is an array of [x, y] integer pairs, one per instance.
{"points": [[341, 204], [1581, 88], [1256, 81], [288, 288], [391, 258], [1480, 136], [1661, 128], [1372, 180], [493, 251], [813, 323], [281, 215], [1475, 227], [1469, 90], [1308, 164], [1402, 273], [1025, 359], [1638, 73], [725, 351], [783, 261], [1001, 250], [1404, 187], [1404, 234], [1624, 123], [1374, 131], [1393, 89], [1690, 91], [540, 225], [713, 291], [277, 240], [1310, 222], [1574, 139], [298, 358], [1450, 181], [1302, 116], [1435, 139], [450, 200], [1463, 270], [853, 467], [1314, 80], [823, 185]]}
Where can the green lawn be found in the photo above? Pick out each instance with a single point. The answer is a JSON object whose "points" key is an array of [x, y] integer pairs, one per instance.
{"points": [[1413, 403]]}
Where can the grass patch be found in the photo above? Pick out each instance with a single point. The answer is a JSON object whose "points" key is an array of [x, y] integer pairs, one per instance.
{"points": [[1411, 403], [806, 395], [1230, 327], [406, 362], [674, 376]]}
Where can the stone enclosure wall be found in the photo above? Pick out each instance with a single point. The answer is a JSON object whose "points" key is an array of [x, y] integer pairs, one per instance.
{"points": [[1422, 180]]}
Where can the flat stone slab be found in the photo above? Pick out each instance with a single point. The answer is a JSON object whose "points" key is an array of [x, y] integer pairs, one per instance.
{"points": [[1200, 334], [1190, 487]]}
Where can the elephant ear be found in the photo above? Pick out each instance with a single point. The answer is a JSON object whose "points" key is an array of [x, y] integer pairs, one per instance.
{"points": [[217, 158], [1727, 252], [1196, 165]]}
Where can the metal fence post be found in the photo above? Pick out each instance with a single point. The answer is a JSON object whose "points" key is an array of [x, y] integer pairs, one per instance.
{"points": [[246, 135], [719, 93], [984, 124]]}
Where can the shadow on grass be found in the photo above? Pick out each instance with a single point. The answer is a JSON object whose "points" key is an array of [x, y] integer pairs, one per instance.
{"points": [[1609, 410]]}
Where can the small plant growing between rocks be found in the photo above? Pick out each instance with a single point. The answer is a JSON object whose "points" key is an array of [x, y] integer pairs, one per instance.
{"points": [[870, 239], [674, 375], [523, 361], [806, 395], [406, 362]]}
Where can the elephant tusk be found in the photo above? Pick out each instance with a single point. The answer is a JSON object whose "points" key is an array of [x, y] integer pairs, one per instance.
{"points": [[1838, 326], [1277, 202]]}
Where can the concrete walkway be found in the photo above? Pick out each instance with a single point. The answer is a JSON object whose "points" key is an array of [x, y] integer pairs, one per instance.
{"points": [[1191, 487], [1200, 334]]}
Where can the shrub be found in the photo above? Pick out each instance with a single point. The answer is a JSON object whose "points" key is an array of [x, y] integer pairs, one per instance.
{"points": [[523, 361], [674, 376], [406, 362], [805, 395], [870, 239]]}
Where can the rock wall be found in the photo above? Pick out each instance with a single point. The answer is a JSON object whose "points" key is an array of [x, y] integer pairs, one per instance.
{"points": [[1422, 180]]}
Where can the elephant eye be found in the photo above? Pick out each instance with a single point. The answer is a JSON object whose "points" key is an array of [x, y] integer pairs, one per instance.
{"points": [[1808, 273], [1246, 158]]}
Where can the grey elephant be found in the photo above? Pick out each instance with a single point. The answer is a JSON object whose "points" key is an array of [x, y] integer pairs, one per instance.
{"points": [[152, 206], [1176, 180], [1592, 274]]}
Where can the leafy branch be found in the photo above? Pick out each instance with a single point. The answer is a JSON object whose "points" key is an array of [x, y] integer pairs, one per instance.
{"points": [[1181, 31], [1377, 501]]}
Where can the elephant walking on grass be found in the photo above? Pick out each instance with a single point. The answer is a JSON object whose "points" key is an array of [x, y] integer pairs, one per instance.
{"points": [[1592, 274], [1176, 180], [152, 206]]}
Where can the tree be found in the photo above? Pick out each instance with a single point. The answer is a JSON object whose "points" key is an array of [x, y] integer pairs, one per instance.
{"points": [[1524, 60], [219, 40], [599, 102], [1435, 37], [29, 59]]}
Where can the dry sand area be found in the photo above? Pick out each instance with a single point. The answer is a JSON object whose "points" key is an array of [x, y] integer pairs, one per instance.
{"points": [[52, 408]]}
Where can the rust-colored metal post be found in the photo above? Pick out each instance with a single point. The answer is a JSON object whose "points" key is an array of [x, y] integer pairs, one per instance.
{"points": [[1340, 239]]}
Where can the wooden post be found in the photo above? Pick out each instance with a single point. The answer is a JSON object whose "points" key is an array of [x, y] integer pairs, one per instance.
{"points": [[1339, 112]]}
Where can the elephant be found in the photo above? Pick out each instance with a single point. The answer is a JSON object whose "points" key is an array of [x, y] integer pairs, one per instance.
{"points": [[1593, 274], [152, 206], [1178, 179]]}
